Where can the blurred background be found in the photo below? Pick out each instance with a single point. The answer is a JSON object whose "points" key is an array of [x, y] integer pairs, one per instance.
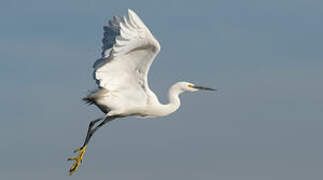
{"points": [[264, 123]]}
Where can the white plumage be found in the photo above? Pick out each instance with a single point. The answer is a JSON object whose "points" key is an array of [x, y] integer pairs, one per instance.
{"points": [[123, 75], [129, 49]]}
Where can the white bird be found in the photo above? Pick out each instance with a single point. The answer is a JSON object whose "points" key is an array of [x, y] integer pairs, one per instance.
{"points": [[129, 49]]}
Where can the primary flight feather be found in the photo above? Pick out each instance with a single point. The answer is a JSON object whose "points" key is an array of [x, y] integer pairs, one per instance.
{"points": [[129, 49]]}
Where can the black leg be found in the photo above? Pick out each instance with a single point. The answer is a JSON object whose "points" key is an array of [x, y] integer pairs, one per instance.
{"points": [[92, 131], [92, 123]]}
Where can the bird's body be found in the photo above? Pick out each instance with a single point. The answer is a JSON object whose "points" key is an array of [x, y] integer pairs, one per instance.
{"points": [[116, 103], [129, 49]]}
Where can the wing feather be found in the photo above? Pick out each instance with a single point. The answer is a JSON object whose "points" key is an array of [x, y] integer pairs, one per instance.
{"points": [[110, 33], [129, 59]]}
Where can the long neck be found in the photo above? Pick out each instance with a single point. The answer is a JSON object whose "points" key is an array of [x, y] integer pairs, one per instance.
{"points": [[174, 101]]}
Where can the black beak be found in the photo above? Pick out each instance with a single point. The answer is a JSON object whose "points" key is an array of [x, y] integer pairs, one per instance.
{"points": [[204, 88]]}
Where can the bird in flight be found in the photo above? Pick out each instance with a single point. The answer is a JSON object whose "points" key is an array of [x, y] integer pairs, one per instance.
{"points": [[129, 49]]}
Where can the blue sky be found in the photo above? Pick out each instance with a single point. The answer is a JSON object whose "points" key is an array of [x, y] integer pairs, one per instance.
{"points": [[265, 57]]}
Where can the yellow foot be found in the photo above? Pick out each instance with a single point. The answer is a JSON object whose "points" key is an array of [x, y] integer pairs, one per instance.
{"points": [[78, 159]]}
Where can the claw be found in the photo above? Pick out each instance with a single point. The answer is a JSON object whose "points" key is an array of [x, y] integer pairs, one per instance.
{"points": [[71, 159], [78, 160], [77, 150]]}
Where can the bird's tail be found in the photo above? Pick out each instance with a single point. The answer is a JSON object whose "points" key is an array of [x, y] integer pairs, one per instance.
{"points": [[94, 95], [88, 100]]}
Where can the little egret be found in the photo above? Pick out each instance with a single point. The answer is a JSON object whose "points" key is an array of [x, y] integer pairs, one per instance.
{"points": [[129, 49]]}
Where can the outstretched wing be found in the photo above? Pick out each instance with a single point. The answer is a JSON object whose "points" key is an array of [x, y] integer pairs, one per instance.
{"points": [[126, 63]]}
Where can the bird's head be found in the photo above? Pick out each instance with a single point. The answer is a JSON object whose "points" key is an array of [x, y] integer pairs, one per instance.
{"points": [[190, 87]]}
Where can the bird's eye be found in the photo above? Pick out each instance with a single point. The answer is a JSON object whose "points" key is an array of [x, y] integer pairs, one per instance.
{"points": [[190, 86]]}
